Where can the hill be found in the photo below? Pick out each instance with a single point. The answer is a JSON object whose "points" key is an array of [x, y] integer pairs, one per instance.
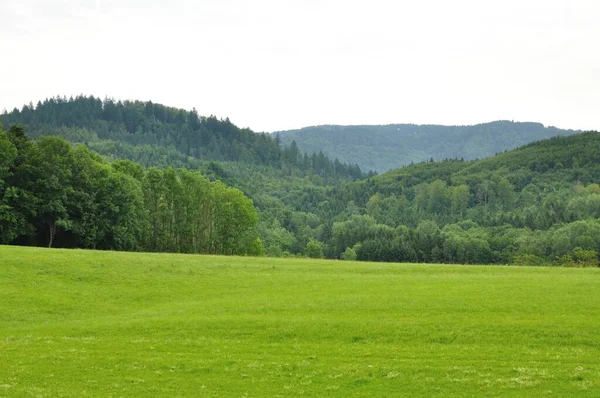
{"points": [[77, 323], [538, 204], [281, 181], [558, 160], [385, 147], [158, 135]]}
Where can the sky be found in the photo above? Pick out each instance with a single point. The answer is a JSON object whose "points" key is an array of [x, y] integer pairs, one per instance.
{"points": [[283, 64]]}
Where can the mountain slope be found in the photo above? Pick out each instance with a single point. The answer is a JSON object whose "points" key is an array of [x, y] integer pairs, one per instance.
{"points": [[385, 147], [539, 204], [555, 161], [283, 183], [158, 135]]}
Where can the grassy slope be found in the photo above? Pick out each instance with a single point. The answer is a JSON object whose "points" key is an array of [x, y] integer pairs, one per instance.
{"points": [[77, 323]]}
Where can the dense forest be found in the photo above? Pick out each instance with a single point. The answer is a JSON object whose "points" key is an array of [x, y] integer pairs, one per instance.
{"points": [[539, 204], [157, 135], [386, 147], [56, 195]]}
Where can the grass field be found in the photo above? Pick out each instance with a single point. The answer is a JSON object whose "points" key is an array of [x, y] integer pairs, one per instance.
{"points": [[87, 323]]}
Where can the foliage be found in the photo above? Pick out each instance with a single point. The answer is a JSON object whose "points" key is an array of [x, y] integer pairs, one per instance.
{"points": [[349, 254], [535, 205], [157, 135], [314, 249], [56, 195], [514, 207]]}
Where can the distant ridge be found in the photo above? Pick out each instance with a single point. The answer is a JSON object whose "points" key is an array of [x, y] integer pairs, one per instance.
{"points": [[386, 147]]}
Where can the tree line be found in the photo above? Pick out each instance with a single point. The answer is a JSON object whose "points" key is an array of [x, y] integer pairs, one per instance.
{"points": [[56, 195]]}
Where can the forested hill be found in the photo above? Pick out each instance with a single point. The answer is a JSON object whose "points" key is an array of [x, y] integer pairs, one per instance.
{"points": [[539, 204], [557, 161], [385, 147], [157, 135]]}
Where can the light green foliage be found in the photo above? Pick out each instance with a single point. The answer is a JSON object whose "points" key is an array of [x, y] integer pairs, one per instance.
{"points": [[276, 238], [358, 228], [459, 199], [86, 323], [579, 257], [72, 197], [187, 213], [427, 237], [529, 260], [349, 254], [235, 221], [466, 243], [314, 249]]}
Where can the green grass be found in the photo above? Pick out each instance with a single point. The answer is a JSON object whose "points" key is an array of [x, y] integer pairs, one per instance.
{"points": [[88, 323]]}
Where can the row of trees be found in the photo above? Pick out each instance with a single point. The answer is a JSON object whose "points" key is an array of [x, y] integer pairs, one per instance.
{"points": [[466, 242], [53, 194]]}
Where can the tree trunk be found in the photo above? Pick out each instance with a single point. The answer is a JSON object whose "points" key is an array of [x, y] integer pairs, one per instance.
{"points": [[52, 233]]}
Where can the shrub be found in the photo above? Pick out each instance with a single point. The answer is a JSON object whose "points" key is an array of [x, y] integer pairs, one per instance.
{"points": [[349, 254], [314, 249]]}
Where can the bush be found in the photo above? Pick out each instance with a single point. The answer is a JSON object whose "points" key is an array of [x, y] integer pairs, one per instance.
{"points": [[579, 258], [349, 254], [314, 249], [529, 259]]}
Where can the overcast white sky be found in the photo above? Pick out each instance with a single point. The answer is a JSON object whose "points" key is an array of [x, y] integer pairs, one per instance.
{"points": [[280, 64]]}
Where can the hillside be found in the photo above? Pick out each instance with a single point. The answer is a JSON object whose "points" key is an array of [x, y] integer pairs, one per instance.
{"points": [[538, 204], [386, 147], [281, 181], [535, 204], [89, 323], [158, 135], [558, 160]]}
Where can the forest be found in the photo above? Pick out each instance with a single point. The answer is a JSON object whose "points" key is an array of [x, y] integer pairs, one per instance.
{"points": [[77, 173], [56, 195], [157, 135], [385, 147]]}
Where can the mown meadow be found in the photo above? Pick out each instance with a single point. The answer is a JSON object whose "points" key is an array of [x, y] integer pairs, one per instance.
{"points": [[91, 323]]}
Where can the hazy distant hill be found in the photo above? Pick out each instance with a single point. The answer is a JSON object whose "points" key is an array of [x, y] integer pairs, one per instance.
{"points": [[387, 147]]}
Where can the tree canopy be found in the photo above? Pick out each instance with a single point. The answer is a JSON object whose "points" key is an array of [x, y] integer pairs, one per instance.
{"points": [[56, 195]]}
